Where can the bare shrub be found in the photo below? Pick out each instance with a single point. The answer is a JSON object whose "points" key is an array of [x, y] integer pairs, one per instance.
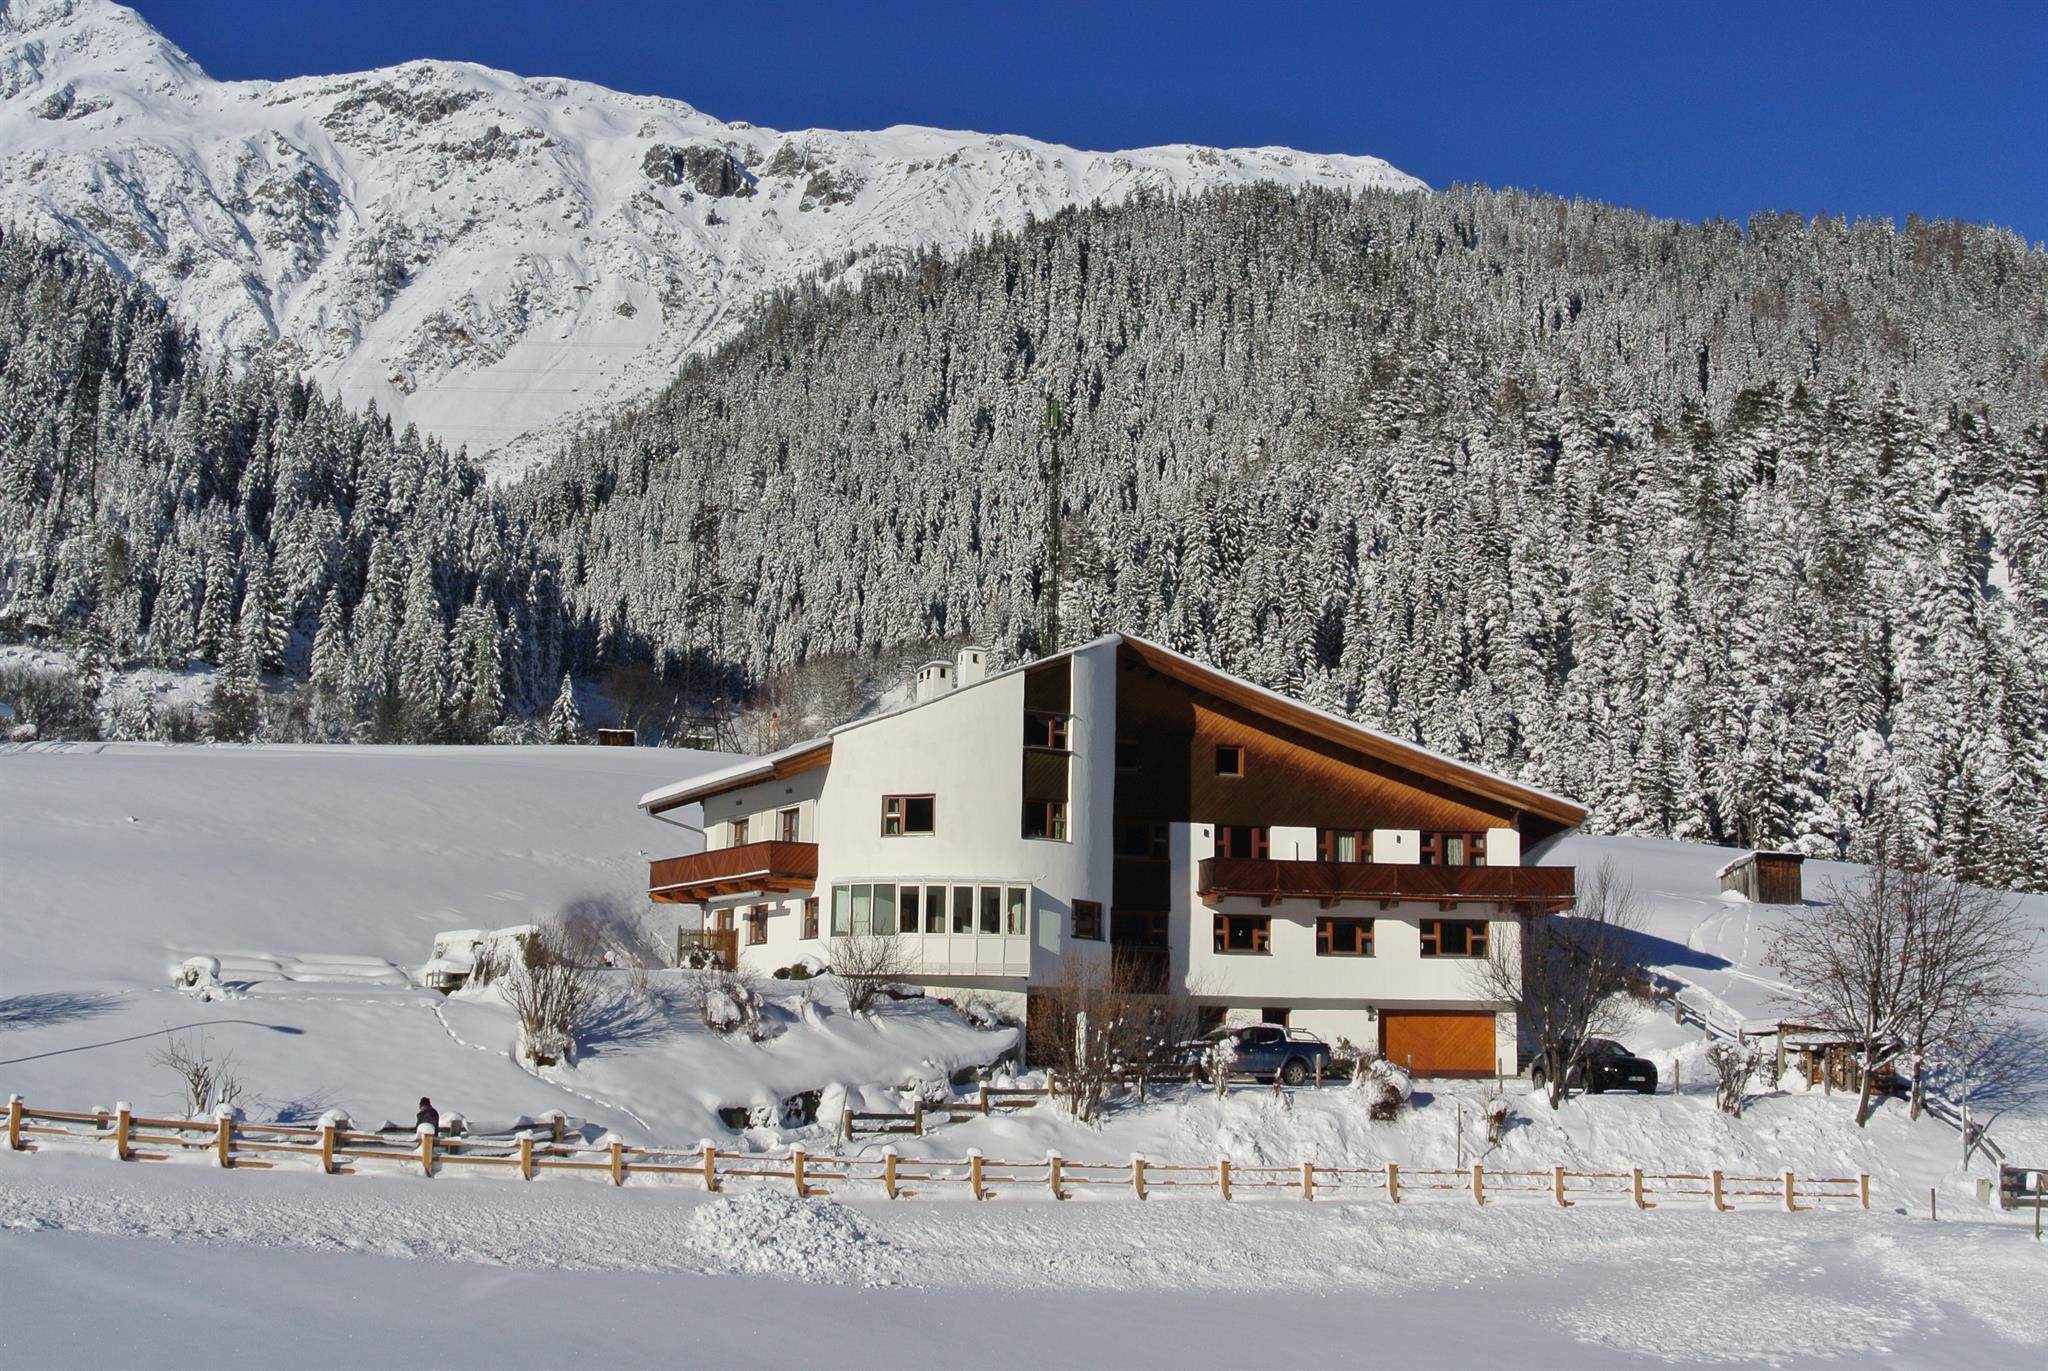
{"points": [[209, 1080], [554, 992], [1499, 1114], [1095, 1026], [866, 965], [1568, 976], [1386, 1087], [1735, 1066]]}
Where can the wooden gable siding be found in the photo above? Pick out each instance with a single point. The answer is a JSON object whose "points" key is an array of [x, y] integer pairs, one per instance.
{"points": [[1291, 777]]}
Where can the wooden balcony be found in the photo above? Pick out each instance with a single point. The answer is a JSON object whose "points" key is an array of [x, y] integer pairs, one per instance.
{"points": [[749, 869], [1522, 889]]}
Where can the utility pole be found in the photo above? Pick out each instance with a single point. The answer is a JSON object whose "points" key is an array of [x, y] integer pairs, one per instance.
{"points": [[1054, 427]]}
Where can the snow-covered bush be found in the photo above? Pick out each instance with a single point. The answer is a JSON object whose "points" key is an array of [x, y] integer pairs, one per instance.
{"points": [[1221, 1061], [1499, 1114], [727, 1001], [200, 975], [929, 1081], [1385, 1087], [554, 993]]}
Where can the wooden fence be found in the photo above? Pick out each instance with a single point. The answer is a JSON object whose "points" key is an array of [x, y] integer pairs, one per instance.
{"points": [[236, 1144]]}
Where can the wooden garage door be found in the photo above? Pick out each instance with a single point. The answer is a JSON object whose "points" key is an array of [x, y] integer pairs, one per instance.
{"points": [[1444, 1043]]}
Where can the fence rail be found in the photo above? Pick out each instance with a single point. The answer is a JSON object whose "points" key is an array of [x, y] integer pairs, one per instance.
{"points": [[236, 1144]]}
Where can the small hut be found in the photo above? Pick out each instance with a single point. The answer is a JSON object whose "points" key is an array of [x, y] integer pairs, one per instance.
{"points": [[617, 737], [1765, 877]]}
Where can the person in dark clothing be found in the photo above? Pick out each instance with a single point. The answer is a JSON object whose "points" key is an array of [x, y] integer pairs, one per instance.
{"points": [[428, 1115]]}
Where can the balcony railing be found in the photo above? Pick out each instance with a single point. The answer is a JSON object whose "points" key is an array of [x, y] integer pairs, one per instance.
{"points": [[1526, 889], [749, 869], [715, 946]]}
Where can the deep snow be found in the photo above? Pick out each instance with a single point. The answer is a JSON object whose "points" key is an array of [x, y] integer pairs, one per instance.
{"points": [[318, 877]]}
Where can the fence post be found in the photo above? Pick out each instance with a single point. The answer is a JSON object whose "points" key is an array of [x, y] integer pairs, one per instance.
{"points": [[426, 1131], [618, 1161], [1557, 1184], [1635, 1188], [917, 1122], [796, 1169], [1223, 1175], [845, 1124], [14, 1124], [1791, 1205], [1478, 1184], [223, 1136], [1863, 1190], [327, 1146], [889, 1171], [974, 1172], [1052, 1169], [121, 1132], [525, 1155], [1138, 1175], [558, 1126], [1720, 1205], [1308, 1180], [710, 1167], [984, 1097], [1319, 1073], [1394, 1182]]}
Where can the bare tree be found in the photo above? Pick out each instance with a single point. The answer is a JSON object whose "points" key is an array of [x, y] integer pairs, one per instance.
{"points": [[1568, 976], [1904, 962], [554, 991], [1099, 1023], [865, 965], [1735, 1066], [209, 1081]]}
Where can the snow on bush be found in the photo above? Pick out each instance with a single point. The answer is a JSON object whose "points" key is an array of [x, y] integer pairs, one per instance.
{"points": [[1386, 1087], [762, 1232], [200, 975]]}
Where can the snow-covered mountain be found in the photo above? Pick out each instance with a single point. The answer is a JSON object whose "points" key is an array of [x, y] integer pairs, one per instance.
{"points": [[491, 256]]}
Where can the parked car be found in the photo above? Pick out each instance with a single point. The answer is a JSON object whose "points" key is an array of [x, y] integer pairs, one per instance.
{"points": [[1605, 1065], [1265, 1050]]}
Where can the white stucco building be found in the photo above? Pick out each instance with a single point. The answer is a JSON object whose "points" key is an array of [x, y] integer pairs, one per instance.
{"points": [[1124, 803]]}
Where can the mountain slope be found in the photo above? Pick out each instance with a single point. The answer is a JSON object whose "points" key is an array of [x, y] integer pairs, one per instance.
{"points": [[491, 256]]}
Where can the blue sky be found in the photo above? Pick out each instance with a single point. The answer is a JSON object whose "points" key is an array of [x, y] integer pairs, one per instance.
{"points": [[1691, 110]]}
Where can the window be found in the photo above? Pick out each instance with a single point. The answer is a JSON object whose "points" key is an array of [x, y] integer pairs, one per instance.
{"points": [[757, 925], [842, 910], [811, 917], [1343, 937], [906, 909], [1241, 840], [935, 909], [1046, 730], [1088, 920], [882, 914], [906, 815], [889, 908], [1343, 845], [1127, 756], [1454, 849], [739, 832], [1138, 928], [1276, 1016], [722, 921], [963, 909], [1046, 819], [792, 824], [1147, 841], [1454, 937], [1230, 761], [1243, 933], [1014, 905], [992, 909]]}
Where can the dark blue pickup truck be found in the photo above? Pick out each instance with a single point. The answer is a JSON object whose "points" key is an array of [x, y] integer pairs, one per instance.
{"points": [[1265, 1050]]}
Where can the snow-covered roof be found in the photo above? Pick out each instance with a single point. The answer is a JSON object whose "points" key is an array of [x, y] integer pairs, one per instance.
{"points": [[1271, 703], [1748, 857]]}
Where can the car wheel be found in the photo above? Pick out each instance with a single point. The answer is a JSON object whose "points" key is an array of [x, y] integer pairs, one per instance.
{"points": [[1295, 1072], [1593, 1086]]}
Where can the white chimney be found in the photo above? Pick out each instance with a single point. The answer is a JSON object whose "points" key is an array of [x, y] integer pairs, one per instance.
{"points": [[933, 680], [971, 666]]}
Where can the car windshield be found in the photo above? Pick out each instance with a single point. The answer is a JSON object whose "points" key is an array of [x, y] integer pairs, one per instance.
{"points": [[1218, 1033]]}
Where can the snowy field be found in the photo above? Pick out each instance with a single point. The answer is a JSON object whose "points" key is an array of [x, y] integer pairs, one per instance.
{"points": [[318, 878]]}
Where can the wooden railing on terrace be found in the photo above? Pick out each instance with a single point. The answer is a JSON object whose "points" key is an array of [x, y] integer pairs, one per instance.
{"points": [[750, 868], [1530, 889]]}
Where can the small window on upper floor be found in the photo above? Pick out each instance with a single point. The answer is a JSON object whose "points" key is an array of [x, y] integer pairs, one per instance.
{"points": [[1046, 730], [739, 832], [1045, 819], [791, 824], [1088, 920], [906, 815], [1230, 760]]}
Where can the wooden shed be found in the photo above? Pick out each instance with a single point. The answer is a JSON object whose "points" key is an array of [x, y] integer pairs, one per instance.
{"points": [[617, 737], [1765, 877]]}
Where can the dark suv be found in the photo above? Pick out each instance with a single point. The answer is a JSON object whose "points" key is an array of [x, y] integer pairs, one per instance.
{"points": [[1605, 1065], [1289, 1055]]}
